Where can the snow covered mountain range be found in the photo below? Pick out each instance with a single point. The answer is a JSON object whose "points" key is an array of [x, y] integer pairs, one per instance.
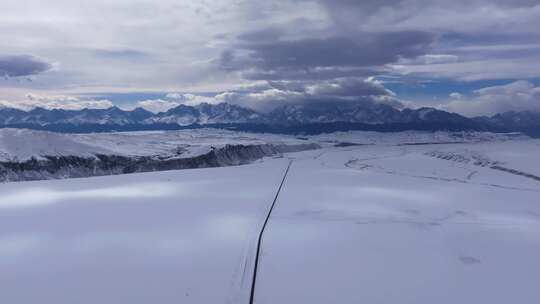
{"points": [[366, 113], [182, 115]]}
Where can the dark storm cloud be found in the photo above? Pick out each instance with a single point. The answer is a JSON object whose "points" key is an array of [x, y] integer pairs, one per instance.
{"points": [[122, 54], [22, 65], [335, 57], [348, 87], [370, 6], [267, 34], [227, 61], [337, 88], [364, 50], [482, 16], [267, 95], [323, 58], [309, 74], [301, 64]]}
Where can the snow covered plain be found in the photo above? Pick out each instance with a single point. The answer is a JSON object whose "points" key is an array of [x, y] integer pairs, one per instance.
{"points": [[381, 218], [170, 237], [392, 224]]}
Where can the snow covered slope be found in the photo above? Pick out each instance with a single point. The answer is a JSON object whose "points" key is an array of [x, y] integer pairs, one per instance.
{"points": [[369, 218], [393, 224], [36, 155], [23, 144], [169, 237]]}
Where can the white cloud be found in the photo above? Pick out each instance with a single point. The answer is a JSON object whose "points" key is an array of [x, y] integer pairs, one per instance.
{"points": [[157, 105], [456, 95], [516, 96], [55, 102], [127, 44], [192, 99], [266, 96], [439, 58], [175, 99], [174, 95], [348, 87], [430, 59]]}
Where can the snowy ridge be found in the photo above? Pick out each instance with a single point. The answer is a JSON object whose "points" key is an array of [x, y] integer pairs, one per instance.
{"points": [[36, 155], [23, 144], [414, 137]]}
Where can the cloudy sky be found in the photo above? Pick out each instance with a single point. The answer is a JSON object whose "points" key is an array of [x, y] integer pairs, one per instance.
{"points": [[474, 57]]}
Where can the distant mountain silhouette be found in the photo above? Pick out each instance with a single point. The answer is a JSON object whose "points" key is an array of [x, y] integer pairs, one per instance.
{"points": [[316, 117]]}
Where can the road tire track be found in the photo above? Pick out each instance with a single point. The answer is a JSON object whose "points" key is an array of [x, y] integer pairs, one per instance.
{"points": [[261, 233]]}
